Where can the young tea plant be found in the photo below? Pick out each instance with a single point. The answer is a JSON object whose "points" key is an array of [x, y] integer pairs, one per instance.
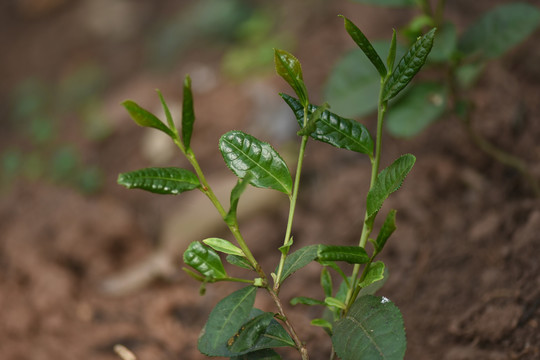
{"points": [[360, 324]]}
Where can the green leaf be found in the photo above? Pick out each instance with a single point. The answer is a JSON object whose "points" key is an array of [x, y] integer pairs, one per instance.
{"points": [[397, 3], [373, 281], [204, 260], [374, 328], [334, 130], [284, 249], [326, 282], [224, 321], [306, 301], [145, 118], [353, 87], [391, 58], [246, 337], [408, 66], [498, 30], [244, 154], [322, 323], [388, 181], [289, 68], [311, 125], [167, 112], [420, 106], [387, 229], [236, 192], [298, 260], [239, 261], [264, 354], [331, 301], [445, 44], [223, 246], [169, 180], [363, 43], [188, 114], [349, 254]]}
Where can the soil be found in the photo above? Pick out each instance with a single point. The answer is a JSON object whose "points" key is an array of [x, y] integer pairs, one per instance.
{"points": [[464, 261]]}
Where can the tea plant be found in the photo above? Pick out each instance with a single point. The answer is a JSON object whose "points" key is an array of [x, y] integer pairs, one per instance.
{"points": [[360, 324], [457, 61]]}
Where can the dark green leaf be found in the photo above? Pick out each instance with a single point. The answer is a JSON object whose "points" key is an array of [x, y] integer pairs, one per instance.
{"points": [[145, 118], [239, 261], [204, 260], [289, 68], [170, 180], [388, 181], [246, 337], [188, 114], [353, 87], [500, 29], [244, 154], [335, 130], [326, 282], [374, 328], [264, 354], [306, 301], [224, 320], [388, 2], [363, 43], [298, 260], [223, 246], [408, 66], [422, 105], [315, 116], [387, 229], [350, 254], [392, 52]]}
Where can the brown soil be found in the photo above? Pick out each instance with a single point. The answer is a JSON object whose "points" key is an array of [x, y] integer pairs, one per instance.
{"points": [[463, 262]]}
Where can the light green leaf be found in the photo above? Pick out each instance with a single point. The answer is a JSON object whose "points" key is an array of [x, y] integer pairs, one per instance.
{"points": [[500, 29], [363, 43], [334, 130], [298, 260], [353, 87], [420, 106], [305, 301], [223, 246], [224, 321], [349, 254], [188, 114], [169, 180], [378, 282], [388, 181], [322, 323], [204, 260], [289, 68], [374, 328], [397, 3], [326, 282], [167, 112], [236, 192], [331, 301], [408, 66], [244, 154], [375, 273], [145, 118]]}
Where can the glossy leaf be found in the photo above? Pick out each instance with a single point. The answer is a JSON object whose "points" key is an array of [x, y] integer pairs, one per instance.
{"points": [[419, 107], [188, 114], [334, 130], [289, 68], [498, 30], [298, 260], [408, 66], [349, 254], [246, 337], [224, 320], [363, 43], [387, 229], [388, 181], [204, 260], [353, 87], [305, 301], [223, 246], [239, 261], [169, 180], [373, 327], [244, 154], [145, 118], [397, 3], [264, 354]]}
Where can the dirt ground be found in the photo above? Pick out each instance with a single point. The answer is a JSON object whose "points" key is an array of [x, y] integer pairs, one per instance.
{"points": [[464, 262]]}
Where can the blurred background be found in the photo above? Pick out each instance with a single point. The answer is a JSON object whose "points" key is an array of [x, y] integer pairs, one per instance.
{"points": [[86, 264]]}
